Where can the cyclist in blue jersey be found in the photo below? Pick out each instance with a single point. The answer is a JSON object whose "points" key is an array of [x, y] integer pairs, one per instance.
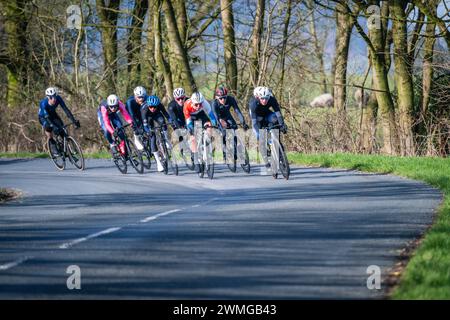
{"points": [[50, 120]]}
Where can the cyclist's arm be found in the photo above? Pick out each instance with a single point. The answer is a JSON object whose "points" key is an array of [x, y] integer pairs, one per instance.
{"points": [[130, 110], [164, 112], [210, 113], [144, 111], [276, 108], [172, 113], [106, 120], [125, 113], [235, 106], [252, 108], [66, 110]]}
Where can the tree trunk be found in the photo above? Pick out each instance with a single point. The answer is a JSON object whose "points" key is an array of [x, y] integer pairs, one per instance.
{"points": [[229, 44], [15, 24], [369, 123], [177, 46], [256, 41], [108, 27], [343, 33], [134, 44], [318, 47], [182, 19], [162, 66], [148, 59], [287, 19], [403, 77], [427, 66]]}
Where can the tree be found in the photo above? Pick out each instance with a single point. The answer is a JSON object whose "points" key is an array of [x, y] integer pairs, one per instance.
{"points": [[403, 76], [256, 41], [134, 44], [229, 44], [108, 15], [344, 26], [16, 56], [177, 46]]}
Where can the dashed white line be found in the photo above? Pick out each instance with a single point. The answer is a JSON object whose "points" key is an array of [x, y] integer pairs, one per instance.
{"points": [[13, 264], [156, 216], [94, 235]]}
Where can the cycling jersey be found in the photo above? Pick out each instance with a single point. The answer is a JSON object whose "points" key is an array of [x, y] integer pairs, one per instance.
{"points": [[222, 111], [48, 112], [176, 113], [204, 114], [106, 115], [134, 109], [262, 115], [156, 113]]}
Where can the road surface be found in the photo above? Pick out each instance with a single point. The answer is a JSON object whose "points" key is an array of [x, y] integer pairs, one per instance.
{"points": [[238, 236]]}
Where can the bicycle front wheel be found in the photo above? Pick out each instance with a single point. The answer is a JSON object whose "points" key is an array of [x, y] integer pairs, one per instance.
{"points": [[75, 154], [284, 163], [135, 157], [56, 154]]}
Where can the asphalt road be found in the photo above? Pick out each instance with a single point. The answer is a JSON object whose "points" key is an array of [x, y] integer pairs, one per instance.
{"points": [[238, 236]]}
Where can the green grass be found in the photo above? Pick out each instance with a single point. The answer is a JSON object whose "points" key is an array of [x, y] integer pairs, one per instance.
{"points": [[427, 275]]}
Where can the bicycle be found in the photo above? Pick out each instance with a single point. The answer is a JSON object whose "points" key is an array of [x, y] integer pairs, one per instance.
{"points": [[131, 153], [146, 152], [165, 151], [239, 153], [66, 147], [206, 153], [278, 159], [186, 152]]}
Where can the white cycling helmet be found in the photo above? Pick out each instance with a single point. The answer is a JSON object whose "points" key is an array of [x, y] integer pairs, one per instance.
{"points": [[263, 92], [197, 97], [50, 91], [255, 91], [140, 92], [112, 100], [179, 92]]}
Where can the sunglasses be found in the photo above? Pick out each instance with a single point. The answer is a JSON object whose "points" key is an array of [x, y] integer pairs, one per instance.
{"points": [[222, 97], [140, 97], [264, 98]]}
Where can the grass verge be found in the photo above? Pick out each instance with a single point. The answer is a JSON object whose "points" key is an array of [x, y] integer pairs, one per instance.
{"points": [[427, 274]]}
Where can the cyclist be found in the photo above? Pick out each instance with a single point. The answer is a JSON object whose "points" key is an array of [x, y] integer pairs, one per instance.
{"points": [[153, 111], [264, 110], [109, 120], [50, 120], [175, 108], [221, 107], [134, 104], [198, 109]]}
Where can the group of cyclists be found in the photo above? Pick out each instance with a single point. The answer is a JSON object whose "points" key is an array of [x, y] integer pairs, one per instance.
{"points": [[143, 112]]}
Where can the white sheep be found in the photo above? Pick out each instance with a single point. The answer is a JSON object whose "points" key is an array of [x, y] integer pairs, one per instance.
{"points": [[362, 97], [324, 100]]}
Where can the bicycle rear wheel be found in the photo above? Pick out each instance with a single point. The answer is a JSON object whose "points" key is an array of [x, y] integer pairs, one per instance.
{"points": [[75, 154], [58, 160]]}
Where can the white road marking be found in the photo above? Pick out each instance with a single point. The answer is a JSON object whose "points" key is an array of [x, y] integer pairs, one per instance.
{"points": [[156, 216], [94, 235], [13, 264]]}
